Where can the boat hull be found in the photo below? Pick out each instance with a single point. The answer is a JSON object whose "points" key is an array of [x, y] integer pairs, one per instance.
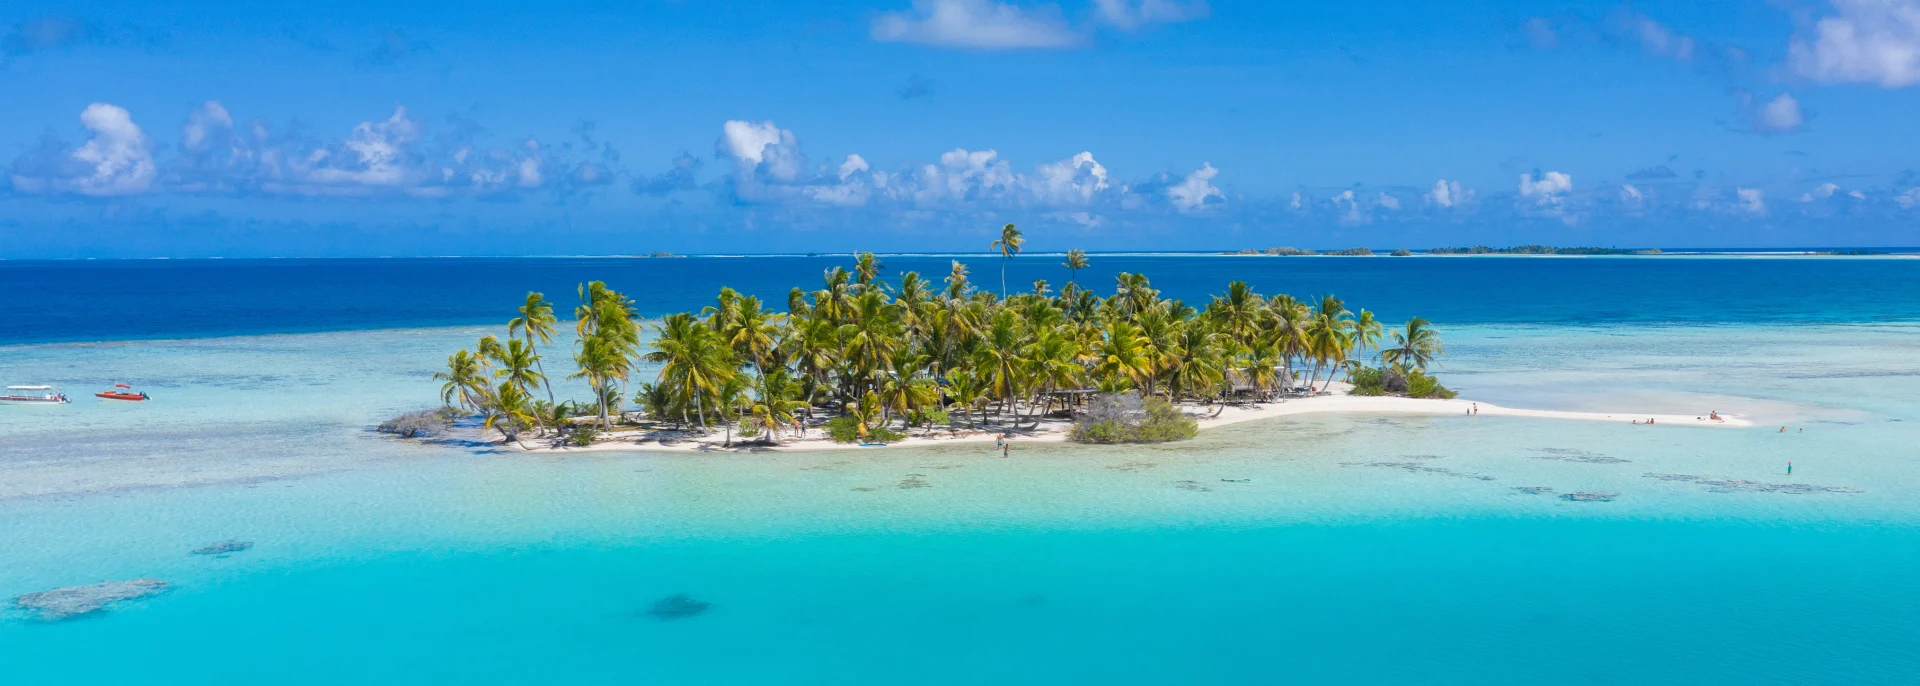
{"points": [[135, 397], [31, 400]]}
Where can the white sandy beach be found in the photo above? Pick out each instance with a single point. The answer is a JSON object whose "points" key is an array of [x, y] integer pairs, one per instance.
{"points": [[1054, 430]]}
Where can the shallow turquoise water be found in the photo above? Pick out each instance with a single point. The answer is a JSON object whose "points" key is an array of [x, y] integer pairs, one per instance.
{"points": [[1422, 601], [1319, 548]]}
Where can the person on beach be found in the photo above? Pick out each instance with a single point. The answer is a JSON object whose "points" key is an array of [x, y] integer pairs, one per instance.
{"points": [[1713, 415], [1476, 409]]}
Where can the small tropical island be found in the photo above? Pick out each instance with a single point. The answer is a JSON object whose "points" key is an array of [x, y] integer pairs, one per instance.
{"points": [[867, 361]]}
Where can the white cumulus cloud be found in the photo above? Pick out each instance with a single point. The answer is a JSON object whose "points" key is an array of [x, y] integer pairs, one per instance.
{"points": [[1550, 190], [1780, 115], [1752, 201], [115, 160], [1866, 41], [1197, 191], [980, 24], [1449, 194], [1128, 15]]}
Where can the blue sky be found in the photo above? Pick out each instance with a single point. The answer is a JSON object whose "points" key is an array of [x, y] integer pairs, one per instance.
{"points": [[190, 129]]}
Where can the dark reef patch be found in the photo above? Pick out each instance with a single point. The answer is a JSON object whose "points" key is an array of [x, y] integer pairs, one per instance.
{"points": [[1745, 486], [677, 606], [1419, 468]]}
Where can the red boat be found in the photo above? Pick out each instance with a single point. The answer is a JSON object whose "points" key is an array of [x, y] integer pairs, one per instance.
{"points": [[121, 391]]}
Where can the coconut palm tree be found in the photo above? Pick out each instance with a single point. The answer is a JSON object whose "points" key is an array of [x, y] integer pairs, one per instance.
{"points": [[599, 362], [1134, 293], [1008, 246], [536, 321], [1238, 312], [1053, 364], [695, 365], [966, 391], [1365, 331], [1076, 261], [865, 414], [1326, 335], [465, 384], [999, 360], [752, 333], [1197, 368], [518, 365], [1415, 347], [775, 402], [866, 268], [1123, 355], [509, 410]]}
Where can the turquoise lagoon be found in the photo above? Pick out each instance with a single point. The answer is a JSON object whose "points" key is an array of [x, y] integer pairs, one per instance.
{"points": [[1318, 548]]}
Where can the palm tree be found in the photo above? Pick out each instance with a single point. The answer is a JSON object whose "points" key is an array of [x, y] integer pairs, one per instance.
{"points": [[1135, 293], [999, 360], [774, 403], [729, 402], [695, 365], [966, 391], [1197, 366], [1326, 335], [509, 411], [1076, 261], [866, 268], [1008, 245], [865, 413], [536, 321], [518, 365], [1366, 333], [1238, 312], [464, 382], [1416, 347], [752, 332], [556, 416], [598, 360], [1053, 364], [1123, 355]]}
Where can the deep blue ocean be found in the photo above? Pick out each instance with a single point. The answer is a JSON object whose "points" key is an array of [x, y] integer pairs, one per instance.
{"points": [[140, 299]]}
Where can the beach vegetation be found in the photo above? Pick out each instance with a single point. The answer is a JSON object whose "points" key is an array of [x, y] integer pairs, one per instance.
{"points": [[869, 355], [418, 424], [1129, 418]]}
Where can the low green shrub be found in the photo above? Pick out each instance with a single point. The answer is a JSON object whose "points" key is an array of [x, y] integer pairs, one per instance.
{"points": [[847, 430], [1419, 385], [1368, 381], [582, 436], [1127, 418]]}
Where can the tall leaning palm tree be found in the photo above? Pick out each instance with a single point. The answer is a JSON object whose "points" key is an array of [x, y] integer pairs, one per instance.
{"points": [[1076, 261], [536, 321], [1008, 245], [464, 382]]}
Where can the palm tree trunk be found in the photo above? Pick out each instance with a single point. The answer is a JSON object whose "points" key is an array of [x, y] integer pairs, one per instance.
{"points": [[543, 371]]}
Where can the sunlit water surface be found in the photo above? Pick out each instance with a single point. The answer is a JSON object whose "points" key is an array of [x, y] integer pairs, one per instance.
{"points": [[1325, 548]]}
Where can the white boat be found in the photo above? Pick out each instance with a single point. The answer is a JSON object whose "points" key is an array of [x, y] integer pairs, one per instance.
{"points": [[41, 395]]}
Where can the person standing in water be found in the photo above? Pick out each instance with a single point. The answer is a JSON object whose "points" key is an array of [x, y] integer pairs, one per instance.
{"points": [[1789, 467]]}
